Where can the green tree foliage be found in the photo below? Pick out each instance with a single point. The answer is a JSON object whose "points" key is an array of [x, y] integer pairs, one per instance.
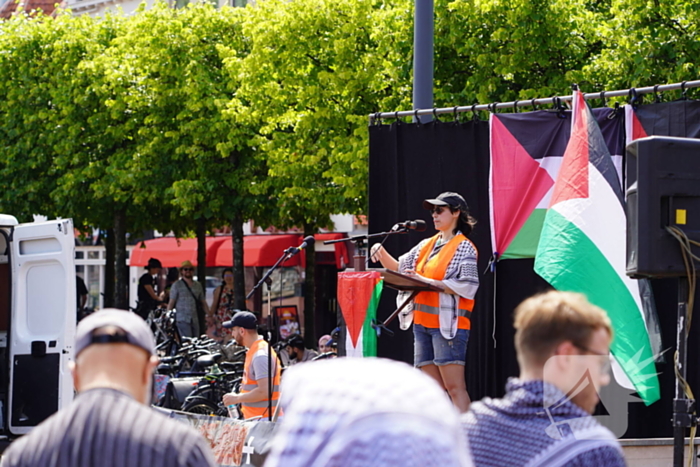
{"points": [[314, 72], [646, 43], [193, 155], [38, 87], [502, 50]]}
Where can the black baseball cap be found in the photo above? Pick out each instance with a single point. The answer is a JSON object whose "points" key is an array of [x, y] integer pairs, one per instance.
{"points": [[243, 319], [448, 198], [132, 329], [296, 341]]}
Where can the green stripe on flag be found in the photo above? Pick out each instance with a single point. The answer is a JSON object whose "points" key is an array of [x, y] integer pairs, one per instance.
{"points": [[369, 334], [570, 261], [524, 245]]}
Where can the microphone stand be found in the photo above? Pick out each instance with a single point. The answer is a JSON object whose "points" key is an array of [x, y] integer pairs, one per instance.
{"points": [[360, 241], [288, 253]]}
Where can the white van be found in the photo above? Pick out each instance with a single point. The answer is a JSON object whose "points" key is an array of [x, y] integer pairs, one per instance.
{"points": [[37, 321]]}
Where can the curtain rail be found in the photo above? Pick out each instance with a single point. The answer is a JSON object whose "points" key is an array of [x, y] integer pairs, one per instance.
{"points": [[374, 117]]}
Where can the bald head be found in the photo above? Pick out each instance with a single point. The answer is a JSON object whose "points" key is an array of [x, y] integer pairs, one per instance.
{"points": [[119, 365]]}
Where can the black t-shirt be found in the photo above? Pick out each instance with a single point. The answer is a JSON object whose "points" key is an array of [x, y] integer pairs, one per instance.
{"points": [[108, 428], [80, 289], [143, 295]]}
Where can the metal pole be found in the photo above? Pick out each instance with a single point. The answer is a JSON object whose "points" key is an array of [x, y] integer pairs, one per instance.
{"points": [[423, 57], [426, 110], [680, 403]]}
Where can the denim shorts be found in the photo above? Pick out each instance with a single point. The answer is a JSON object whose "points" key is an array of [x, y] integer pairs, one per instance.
{"points": [[430, 348]]}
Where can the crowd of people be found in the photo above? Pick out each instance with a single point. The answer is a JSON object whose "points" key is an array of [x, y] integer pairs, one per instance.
{"points": [[367, 412], [349, 411]]}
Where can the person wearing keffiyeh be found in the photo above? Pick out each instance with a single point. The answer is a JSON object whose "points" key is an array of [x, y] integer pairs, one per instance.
{"points": [[365, 412], [562, 343], [441, 320]]}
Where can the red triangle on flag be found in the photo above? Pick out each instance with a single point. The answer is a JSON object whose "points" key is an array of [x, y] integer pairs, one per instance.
{"points": [[637, 128], [518, 184], [572, 182], [355, 290]]}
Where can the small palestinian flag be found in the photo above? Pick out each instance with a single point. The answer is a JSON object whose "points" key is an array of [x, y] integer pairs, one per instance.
{"points": [[582, 246], [358, 296]]}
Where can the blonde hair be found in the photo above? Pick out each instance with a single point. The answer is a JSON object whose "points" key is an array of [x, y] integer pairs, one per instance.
{"points": [[544, 321]]}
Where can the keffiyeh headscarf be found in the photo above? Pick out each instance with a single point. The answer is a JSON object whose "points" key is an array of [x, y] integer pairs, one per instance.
{"points": [[365, 412]]}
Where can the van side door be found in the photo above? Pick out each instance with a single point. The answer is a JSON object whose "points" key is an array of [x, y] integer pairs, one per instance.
{"points": [[42, 322]]}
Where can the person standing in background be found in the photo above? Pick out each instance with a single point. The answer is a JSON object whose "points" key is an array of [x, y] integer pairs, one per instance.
{"points": [[81, 296], [221, 308], [187, 298], [148, 298], [254, 396]]}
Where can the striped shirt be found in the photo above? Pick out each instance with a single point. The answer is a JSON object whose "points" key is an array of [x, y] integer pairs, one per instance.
{"points": [[108, 428]]}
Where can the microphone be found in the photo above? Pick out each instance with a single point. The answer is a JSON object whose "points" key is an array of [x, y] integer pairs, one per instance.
{"points": [[308, 241], [417, 225]]}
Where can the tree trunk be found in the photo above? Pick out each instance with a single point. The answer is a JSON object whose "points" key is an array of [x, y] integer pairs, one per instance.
{"points": [[202, 266], [121, 294], [239, 290], [310, 292], [110, 258]]}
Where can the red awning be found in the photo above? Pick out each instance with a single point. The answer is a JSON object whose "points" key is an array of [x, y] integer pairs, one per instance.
{"points": [[342, 259], [172, 251], [260, 250]]}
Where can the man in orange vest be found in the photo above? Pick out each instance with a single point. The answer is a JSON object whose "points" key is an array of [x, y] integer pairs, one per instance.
{"points": [[254, 395]]}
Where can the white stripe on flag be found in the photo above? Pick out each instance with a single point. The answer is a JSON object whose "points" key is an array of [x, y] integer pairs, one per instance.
{"points": [[610, 235], [350, 350]]}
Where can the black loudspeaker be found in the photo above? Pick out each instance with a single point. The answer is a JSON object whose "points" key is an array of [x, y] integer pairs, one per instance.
{"points": [[663, 189]]}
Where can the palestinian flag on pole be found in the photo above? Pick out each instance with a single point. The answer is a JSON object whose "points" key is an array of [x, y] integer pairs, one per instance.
{"points": [[526, 153], [582, 246], [358, 296]]}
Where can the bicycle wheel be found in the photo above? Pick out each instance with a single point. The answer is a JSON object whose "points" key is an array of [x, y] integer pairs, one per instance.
{"points": [[200, 405]]}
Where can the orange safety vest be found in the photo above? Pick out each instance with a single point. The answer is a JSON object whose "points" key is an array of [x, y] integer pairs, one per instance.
{"points": [[259, 409], [426, 305]]}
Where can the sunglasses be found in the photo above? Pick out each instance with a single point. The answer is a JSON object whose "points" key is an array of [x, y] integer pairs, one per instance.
{"points": [[187, 269], [437, 210]]}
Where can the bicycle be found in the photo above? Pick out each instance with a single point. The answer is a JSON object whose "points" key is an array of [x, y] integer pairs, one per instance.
{"points": [[206, 398]]}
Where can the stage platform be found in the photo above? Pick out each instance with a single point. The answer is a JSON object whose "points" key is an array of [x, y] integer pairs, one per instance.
{"points": [[654, 452]]}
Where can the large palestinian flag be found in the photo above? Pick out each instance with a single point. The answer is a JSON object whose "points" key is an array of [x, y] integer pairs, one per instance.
{"points": [[358, 296], [582, 246], [526, 153]]}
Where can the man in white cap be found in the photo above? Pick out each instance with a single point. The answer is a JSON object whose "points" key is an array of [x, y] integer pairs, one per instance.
{"points": [[109, 424]]}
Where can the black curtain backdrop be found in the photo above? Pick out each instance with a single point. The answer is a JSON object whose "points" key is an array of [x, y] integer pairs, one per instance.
{"points": [[412, 162]]}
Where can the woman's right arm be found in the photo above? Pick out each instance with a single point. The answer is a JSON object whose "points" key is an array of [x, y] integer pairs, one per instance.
{"points": [[378, 253]]}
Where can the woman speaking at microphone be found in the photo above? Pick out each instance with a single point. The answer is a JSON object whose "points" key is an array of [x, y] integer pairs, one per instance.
{"points": [[441, 320]]}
